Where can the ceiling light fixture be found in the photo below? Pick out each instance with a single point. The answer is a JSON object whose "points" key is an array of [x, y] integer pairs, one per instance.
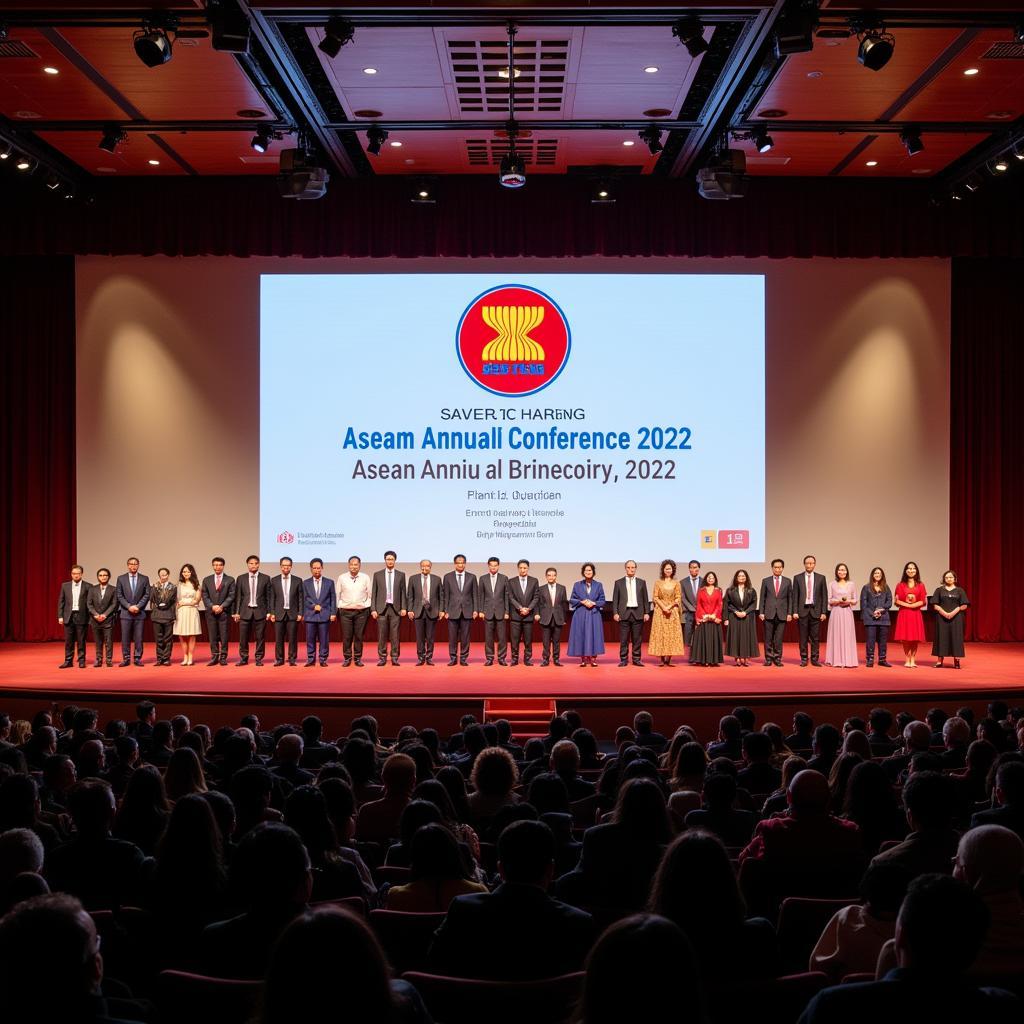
{"points": [[395, 144], [153, 41], [52, 181], [153, 163], [725, 176], [972, 184], [870, 163], [6, 149], [651, 69], [512, 170], [51, 71], [971, 71], [911, 139], [264, 136], [762, 140], [602, 193], [1000, 165], [504, 72], [112, 137], [25, 163], [375, 138], [369, 71], [338, 32], [794, 31], [876, 45], [423, 193], [628, 142], [690, 32], [1018, 149], [651, 137]]}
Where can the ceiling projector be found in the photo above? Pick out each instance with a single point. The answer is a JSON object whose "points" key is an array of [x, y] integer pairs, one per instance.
{"points": [[300, 177], [725, 177]]}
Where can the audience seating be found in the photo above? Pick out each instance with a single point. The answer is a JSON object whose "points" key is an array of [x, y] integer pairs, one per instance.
{"points": [[801, 922], [406, 937], [781, 1000], [195, 998]]}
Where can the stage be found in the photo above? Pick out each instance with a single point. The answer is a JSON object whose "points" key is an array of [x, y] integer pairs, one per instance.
{"points": [[438, 695]]}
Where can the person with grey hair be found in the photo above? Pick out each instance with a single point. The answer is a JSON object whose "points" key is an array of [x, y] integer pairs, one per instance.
{"points": [[565, 763], [917, 738], [956, 736], [20, 850], [287, 756]]}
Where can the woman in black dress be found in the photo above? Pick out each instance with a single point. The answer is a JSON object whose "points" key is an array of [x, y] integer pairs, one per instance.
{"points": [[950, 602], [740, 616]]}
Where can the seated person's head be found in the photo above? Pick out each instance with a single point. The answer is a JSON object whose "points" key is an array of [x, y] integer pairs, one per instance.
{"points": [[883, 887], [729, 728], [643, 723], [475, 739], [91, 805], [745, 716], [808, 794], [641, 810], [565, 757], [990, 859], [289, 748], [941, 927], [1009, 788], [692, 760], [270, 869], [956, 732], [415, 815], [251, 790], [494, 773], [917, 736], [434, 854], [719, 791], [757, 748], [21, 850], [826, 740], [928, 798], [548, 794], [526, 854], [399, 776], [880, 720]]}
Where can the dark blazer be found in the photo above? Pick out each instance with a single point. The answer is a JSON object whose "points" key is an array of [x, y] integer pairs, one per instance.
{"points": [[379, 591], [457, 603], [689, 598], [163, 601], [103, 873], [517, 599], [493, 605], [819, 597], [66, 601], [242, 596], [872, 599], [733, 604], [125, 599], [773, 607], [619, 597], [328, 601], [414, 597], [1009, 817], [552, 614], [225, 597], [240, 947], [517, 932], [295, 598], [106, 605]]}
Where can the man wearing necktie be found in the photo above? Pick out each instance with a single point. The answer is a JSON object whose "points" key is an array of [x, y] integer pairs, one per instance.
{"points": [[631, 609], [810, 606], [492, 607], [387, 607], [252, 602], [163, 597], [285, 612], [318, 609], [422, 605], [522, 606], [218, 593], [552, 614], [132, 598], [101, 604], [73, 615], [775, 602], [690, 589], [458, 606]]}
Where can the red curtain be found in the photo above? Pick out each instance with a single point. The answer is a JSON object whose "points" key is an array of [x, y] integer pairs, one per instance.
{"points": [[986, 513], [37, 442]]}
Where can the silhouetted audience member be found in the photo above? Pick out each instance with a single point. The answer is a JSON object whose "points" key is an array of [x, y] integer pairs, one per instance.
{"points": [[1009, 799], [437, 874], [718, 815], [142, 816], [758, 775], [932, 843]]}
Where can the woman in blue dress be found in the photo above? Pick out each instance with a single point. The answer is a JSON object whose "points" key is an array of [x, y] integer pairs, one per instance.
{"points": [[586, 634]]}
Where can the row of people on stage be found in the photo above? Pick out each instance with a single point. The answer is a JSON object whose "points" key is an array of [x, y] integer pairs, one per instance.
{"points": [[690, 614]]}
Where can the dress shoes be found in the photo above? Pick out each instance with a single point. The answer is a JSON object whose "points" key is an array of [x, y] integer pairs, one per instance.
{"points": [[382, 662], [623, 664], [97, 664], [359, 663], [66, 664], [278, 662], [638, 664], [503, 663], [453, 662], [309, 664]]}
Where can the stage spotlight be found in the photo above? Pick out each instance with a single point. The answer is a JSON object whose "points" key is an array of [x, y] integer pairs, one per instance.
{"points": [[690, 32], [229, 26], [263, 138], [152, 44], [25, 164], [512, 173], [762, 140], [876, 47], [651, 137], [6, 149], [1018, 32], [794, 31], [1000, 165], [911, 139], [337, 33], [375, 138], [111, 138]]}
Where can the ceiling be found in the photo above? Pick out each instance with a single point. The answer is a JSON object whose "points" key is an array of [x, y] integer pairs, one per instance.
{"points": [[590, 77]]}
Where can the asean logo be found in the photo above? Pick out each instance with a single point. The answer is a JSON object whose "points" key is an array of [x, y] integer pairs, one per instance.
{"points": [[285, 537], [513, 340]]}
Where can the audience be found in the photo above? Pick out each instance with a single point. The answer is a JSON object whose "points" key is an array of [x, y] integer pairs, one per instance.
{"points": [[377, 821], [1009, 799], [437, 873], [932, 842]]}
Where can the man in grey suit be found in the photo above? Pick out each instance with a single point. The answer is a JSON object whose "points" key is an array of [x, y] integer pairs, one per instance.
{"points": [[631, 608], [163, 599], [810, 608], [492, 607], [218, 600], [522, 607], [102, 607], [552, 613], [132, 595], [423, 606], [285, 612], [458, 606], [252, 602], [775, 603], [73, 615], [690, 588], [387, 607]]}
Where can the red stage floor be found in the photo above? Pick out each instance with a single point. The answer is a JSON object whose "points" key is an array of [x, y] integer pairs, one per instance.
{"points": [[31, 669]]}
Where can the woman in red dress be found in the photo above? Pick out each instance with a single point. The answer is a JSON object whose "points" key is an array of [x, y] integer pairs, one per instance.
{"points": [[910, 597], [706, 648]]}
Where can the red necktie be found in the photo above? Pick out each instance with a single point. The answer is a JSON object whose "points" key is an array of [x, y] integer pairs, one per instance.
{"points": [[776, 586]]}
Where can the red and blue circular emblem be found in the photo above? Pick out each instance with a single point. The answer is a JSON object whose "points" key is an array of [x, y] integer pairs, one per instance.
{"points": [[513, 340]]}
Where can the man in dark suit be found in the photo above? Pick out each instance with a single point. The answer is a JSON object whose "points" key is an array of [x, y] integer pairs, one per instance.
{"points": [[458, 606], [775, 602], [318, 609], [492, 607], [518, 932], [552, 612], [252, 602], [218, 600], [163, 599], [101, 604], [522, 607], [423, 606], [691, 588], [631, 608], [810, 608], [73, 615], [132, 595], [387, 607], [1009, 795], [285, 611]]}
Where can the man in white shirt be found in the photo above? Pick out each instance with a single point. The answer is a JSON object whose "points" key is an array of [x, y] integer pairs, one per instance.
{"points": [[387, 608], [354, 598], [631, 609], [101, 603], [810, 608], [73, 616], [285, 612]]}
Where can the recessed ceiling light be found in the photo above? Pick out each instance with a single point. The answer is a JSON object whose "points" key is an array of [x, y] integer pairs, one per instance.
{"points": [[871, 163], [629, 142], [971, 71], [503, 72], [153, 163], [651, 69], [410, 161], [51, 71], [1001, 165], [396, 144], [921, 170], [999, 115], [369, 71], [815, 74]]}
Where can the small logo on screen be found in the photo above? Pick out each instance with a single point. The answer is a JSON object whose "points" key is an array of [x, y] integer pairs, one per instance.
{"points": [[286, 537], [707, 538], [513, 340]]}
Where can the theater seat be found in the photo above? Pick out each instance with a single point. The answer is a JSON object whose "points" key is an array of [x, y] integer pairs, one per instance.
{"points": [[801, 922], [357, 904], [199, 999], [470, 1001], [391, 873], [782, 999], [405, 937]]}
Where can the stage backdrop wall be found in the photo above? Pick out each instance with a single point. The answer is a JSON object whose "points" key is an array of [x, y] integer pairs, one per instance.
{"points": [[857, 355]]}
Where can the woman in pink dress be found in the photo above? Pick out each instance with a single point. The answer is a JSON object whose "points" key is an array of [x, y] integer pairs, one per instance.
{"points": [[841, 643], [910, 598]]}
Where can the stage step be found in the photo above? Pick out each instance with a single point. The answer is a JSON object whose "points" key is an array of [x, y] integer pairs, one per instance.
{"points": [[528, 716]]}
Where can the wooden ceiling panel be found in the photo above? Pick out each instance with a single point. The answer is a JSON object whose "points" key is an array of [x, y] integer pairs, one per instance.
{"points": [[799, 154], [132, 157], [403, 57], [892, 159]]}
